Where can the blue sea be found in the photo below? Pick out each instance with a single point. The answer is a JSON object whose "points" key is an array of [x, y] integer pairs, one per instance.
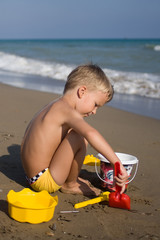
{"points": [[133, 66]]}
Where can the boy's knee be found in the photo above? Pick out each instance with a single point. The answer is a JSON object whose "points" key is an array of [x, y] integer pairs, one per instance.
{"points": [[77, 138]]}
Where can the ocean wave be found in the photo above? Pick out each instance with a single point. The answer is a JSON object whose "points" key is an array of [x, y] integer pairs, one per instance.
{"points": [[142, 84], [157, 48], [154, 47], [14, 63]]}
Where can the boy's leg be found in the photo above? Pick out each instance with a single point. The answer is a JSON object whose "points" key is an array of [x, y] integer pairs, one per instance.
{"points": [[66, 165]]}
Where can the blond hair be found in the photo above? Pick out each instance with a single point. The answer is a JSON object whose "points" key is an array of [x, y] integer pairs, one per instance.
{"points": [[92, 76]]}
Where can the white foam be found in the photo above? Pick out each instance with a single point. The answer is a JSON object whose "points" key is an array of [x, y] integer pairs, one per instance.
{"points": [[157, 48], [142, 84], [14, 63]]}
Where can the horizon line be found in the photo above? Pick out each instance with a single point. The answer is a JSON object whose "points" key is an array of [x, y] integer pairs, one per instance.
{"points": [[109, 38]]}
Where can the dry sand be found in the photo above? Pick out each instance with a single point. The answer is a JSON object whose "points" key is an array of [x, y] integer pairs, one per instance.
{"points": [[126, 132]]}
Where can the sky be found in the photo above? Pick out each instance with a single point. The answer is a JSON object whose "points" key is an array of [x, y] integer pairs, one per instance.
{"points": [[30, 19]]}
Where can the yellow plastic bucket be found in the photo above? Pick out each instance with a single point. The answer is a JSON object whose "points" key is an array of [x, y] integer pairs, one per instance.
{"points": [[30, 206]]}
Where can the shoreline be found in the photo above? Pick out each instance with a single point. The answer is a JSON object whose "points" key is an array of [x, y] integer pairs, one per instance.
{"points": [[126, 132], [143, 106]]}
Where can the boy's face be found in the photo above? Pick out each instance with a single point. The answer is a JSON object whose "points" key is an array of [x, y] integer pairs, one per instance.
{"points": [[90, 101]]}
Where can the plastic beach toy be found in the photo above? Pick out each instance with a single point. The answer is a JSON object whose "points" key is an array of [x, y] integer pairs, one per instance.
{"points": [[30, 206], [103, 197], [91, 160], [115, 199], [106, 170]]}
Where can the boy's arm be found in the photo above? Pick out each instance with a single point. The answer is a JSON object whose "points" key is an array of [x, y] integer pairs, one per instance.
{"points": [[98, 142]]}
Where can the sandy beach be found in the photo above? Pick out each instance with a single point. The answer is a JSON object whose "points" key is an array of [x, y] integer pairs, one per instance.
{"points": [[126, 132]]}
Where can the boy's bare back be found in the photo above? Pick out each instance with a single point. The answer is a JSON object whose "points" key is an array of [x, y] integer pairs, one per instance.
{"points": [[44, 133]]}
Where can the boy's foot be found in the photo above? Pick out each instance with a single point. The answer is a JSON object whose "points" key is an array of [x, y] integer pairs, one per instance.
{"points": [[82, 187], [85, 181]]}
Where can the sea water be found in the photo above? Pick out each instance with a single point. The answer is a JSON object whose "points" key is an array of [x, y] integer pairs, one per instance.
{"points": [[132, 65]]}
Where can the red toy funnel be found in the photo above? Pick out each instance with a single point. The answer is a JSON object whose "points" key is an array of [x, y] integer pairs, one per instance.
{"points": [[116, 199]]}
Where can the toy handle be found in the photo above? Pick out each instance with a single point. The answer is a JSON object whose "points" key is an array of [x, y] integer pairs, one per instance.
{"points": [[117, 171], [99, 175], [88, 202], [135, 172], [101, 198]]}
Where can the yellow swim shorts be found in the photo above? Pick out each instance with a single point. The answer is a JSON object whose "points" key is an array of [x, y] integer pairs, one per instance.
{"points": [[44, 181]]}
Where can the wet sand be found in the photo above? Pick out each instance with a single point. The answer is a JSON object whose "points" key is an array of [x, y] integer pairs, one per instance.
{"points": [[126, 132]]}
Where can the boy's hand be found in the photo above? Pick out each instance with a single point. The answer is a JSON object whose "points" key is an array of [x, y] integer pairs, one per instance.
{"points": [[122, 178]]}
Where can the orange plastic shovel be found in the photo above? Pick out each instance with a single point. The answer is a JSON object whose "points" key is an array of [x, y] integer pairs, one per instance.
{"points": [[116, 199]]}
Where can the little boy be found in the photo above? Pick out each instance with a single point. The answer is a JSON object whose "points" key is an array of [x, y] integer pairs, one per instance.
{"points": [[55, 141]]}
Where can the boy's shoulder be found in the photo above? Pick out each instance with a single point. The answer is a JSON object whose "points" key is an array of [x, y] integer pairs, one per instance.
{"points": [[61, 112], [62, 106], [67, 108]]}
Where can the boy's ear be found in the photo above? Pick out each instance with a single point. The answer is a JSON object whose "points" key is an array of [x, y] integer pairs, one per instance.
{"points": [[81, 91]]}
